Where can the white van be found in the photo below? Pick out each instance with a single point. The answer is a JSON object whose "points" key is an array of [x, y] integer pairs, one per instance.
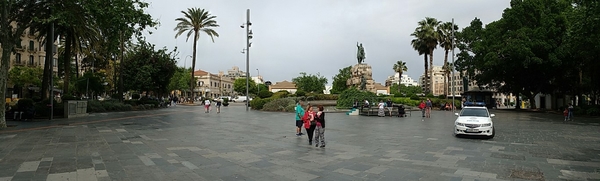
{"points": [[241, 99]]}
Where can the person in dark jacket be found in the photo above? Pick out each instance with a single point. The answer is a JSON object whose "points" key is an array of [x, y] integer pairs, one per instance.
{"points": [[320, 129]]}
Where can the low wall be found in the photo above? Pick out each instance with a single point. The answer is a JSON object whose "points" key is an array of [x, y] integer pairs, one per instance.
{"points": [[75, 108]]}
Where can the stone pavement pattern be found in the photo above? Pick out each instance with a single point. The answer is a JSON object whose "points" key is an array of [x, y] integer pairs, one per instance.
{"points": [[184, 143]]}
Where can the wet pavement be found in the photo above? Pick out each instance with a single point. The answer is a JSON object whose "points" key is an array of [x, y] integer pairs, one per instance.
{"points": [[184, 143]]}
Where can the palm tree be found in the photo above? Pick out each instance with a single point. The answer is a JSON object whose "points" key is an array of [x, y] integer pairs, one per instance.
{"points": [[400, 67], [446, 40], [426, 32], [420, 46], [194, 21]]}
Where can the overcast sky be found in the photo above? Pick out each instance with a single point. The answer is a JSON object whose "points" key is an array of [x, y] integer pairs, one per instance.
{"points": [[314, 36]]}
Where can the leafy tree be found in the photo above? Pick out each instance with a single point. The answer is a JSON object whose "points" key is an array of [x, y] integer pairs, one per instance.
{"points": [[400, 67], [90, 83], [405, 90], [21, 14], [196, 20], [22, 76], [339, 80], [310, 83], [426, 40], [519, 53], [347, 98], [180, 79], [446, 40], [147, 69], [239, 86]]}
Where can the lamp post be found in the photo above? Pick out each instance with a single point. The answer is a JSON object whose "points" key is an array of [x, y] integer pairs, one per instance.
{"points": [[248, 37], [452, 80], [185, 60], [220, 83], [258, 87]]}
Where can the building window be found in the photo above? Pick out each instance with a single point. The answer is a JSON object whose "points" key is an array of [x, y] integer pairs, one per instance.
{"points": [[31, 59], [54, 62], [31, 45], [18, 58], [31, 32]]}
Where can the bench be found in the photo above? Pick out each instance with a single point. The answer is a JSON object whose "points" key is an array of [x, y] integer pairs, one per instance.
{"points": [[373, 111]]}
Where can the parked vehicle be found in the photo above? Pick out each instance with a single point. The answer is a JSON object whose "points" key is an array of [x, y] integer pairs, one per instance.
{"points": [[241, 99], [474, 120]]}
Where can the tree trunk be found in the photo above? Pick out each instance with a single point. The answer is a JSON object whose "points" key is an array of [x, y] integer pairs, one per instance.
{"points": [[446, 73], [517, 100], [431, 69], [76, 67], [67, 63], [426, 76], [194, 66], [4, 73], [399, 81]]}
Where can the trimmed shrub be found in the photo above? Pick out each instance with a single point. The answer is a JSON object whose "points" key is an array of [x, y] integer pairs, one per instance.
{"points": [[25, 103], [42, 108], [265, 94], [442, 97], [414, 97], [135, 96], [258, 103], [279, 105], [131, 102], [69, 98], [300, 93], [326, 97], [225, 102], [107, 106], [430, 95], [281, 94], [348, 96]]}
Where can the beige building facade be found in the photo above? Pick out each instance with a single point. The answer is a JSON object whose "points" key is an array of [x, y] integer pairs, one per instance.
{"points": [[211, 85]]}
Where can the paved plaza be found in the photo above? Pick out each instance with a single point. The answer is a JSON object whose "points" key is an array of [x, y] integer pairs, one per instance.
{"points": [[184, 143]]}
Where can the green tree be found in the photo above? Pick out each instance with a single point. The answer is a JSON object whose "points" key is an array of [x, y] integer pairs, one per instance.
{"points": [[147, 69], [196, 20], [310, 83], [21, 14], [239, 86], [446, 41], [23, 76], [520, 53], [400, 67], [180, 80], [421, 47], [426, 34], [339, 80], [90, 83]]}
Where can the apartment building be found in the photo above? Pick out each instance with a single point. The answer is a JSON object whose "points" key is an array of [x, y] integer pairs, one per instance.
{"points": [[405, 80], [213, 85], [31, 52]]}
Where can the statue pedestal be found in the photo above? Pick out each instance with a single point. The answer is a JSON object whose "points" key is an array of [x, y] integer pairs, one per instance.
{"points": [[362, 70]]}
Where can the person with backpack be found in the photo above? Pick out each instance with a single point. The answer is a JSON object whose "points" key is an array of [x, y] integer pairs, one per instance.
{"points": [[422, 108], [218, 105], [320, 128], [299, 115], [309, 123]]}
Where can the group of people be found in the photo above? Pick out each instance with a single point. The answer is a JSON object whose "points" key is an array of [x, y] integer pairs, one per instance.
{"points": [[568, 113], [425, 107], [381, 107], [207, 105], [313, 122]]}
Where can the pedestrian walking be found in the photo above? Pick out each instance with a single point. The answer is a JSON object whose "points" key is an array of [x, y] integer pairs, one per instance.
{"points": [[570, 112], [218, 105], [320, 128], [390, 106], [309, 123], [381, 109], [428, 106], [206, 106], [566, 114], [299, 114], [175, 100], [422, 108]]}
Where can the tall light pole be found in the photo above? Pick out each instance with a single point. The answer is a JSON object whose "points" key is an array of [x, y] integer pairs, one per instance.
{"points": [[452, 80], [248, 37], [258, 77], [185, 60]]}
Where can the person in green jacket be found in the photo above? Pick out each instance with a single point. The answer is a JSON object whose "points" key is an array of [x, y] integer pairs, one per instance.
{"points": [[299, 115]]}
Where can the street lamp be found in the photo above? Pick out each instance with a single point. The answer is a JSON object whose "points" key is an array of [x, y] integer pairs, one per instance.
{"points": [[249, 36], [185, 60]]}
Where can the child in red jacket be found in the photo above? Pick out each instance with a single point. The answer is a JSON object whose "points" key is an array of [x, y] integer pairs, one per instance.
{"points": [[566, 113]]}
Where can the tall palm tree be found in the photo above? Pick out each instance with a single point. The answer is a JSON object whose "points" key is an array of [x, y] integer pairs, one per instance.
{"points": [[446, 40], [420, 46], [196, 20], [427, 32], [400, 67]]}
